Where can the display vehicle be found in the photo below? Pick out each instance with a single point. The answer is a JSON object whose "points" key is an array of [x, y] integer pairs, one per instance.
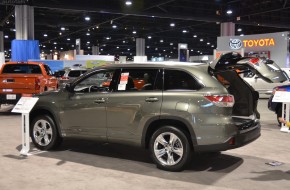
{"points": [[28, 78], [180, 110]]}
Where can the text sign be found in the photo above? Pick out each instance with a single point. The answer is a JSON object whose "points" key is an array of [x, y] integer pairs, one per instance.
{"points": [[25, 105], [281, 96]]}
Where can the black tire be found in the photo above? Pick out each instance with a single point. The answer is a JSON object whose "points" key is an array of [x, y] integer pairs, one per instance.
{"points": [[44, 133], [170, 150]]}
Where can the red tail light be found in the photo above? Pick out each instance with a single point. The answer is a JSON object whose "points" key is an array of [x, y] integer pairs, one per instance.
{"points": [[221, 100], [65, 78], [37, 84], [255, 61]]}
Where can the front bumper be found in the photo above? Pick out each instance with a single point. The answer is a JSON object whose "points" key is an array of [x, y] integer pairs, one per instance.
{"points": [[247, 133]]}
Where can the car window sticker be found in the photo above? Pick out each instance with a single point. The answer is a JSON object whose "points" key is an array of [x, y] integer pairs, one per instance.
{"points": [[123, 81]]}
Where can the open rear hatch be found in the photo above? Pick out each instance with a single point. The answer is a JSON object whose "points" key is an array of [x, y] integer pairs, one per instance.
{"points": [[227, 69]]}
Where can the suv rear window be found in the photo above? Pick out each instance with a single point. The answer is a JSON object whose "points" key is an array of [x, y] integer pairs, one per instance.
{"points": [[74, 73], [180, 80], [21, 69]]}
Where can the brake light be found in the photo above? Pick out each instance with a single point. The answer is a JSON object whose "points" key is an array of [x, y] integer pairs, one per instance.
{"points": [[65, 78], [37, 84], [255, 61], [221, 100]]}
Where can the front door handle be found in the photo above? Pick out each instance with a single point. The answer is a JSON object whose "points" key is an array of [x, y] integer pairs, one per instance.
{"points": [[100, 101], [151, 99]]}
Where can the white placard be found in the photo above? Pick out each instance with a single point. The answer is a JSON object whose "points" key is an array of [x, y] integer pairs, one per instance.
{"points": [[281, 96], [25, 104], [122, 87]]}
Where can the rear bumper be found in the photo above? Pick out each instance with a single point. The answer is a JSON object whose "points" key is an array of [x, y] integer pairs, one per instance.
{"points": [[4, 100], [243, 137]]}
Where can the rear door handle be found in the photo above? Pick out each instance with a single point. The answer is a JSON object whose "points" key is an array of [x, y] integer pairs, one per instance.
{"points": [[151, 99], [100, 101]]}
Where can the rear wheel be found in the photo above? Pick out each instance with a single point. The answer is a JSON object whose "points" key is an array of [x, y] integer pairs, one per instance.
{"points": [[170, 148], [44, 133]]}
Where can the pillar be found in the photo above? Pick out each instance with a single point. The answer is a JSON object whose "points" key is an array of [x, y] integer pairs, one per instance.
{"points": [[96, 50], [140, 47], [227, 29], [24, 22]]}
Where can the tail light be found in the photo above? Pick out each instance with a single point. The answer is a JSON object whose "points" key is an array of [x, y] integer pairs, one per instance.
{"points": [[255, 61], [65, 78], [37, 84], [221, 100]]}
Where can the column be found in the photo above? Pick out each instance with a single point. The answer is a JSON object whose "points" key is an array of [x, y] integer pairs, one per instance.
{"points": [[227, 29], [96, 50], [24, 22], [140, 47], [1, 40]]}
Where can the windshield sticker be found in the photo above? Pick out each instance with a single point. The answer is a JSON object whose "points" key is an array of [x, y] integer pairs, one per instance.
{"points": [[124, 78], [122, 87]]}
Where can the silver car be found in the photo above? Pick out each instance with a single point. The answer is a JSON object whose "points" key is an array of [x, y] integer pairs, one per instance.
{"points": [[171, 109], [70, 74]]}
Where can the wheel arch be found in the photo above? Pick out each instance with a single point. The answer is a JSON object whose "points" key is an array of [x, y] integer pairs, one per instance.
{"points": [[152, 125]]}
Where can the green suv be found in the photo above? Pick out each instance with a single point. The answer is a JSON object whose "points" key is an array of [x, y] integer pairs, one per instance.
{"points": [[171, 109]]}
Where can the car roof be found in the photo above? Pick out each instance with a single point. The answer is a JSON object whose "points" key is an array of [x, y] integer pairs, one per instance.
{"points": [[29, 62]]}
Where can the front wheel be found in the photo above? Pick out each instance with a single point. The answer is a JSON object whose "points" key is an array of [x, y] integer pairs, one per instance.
{"points": [[170, 148], [44, 133]]}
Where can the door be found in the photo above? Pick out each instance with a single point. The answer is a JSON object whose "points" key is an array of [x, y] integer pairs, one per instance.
{"points": [[137, 99], [84, 111]]}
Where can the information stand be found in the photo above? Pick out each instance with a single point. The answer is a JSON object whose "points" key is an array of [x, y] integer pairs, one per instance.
{"points": [[284, 97], [24, 106]]}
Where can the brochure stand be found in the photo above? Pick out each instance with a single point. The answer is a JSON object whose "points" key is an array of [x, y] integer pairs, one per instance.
{"points": [[281, 96], [24, 106]]}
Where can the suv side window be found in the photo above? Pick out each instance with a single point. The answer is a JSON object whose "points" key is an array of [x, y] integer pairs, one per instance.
{"points": [[139, 80], [97, 82], [180, 80]]}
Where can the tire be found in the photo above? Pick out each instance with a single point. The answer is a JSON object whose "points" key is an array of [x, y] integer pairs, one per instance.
{"points": [[173, 156], [44, 133]]}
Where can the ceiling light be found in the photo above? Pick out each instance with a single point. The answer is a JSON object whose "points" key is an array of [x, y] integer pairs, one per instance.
{"points": [[128, 49], [45, 35], [229, 12], [208, 43], [242, 35], [171, 44], [194, 36], [114, 26], [62, 28], [191, 50], [128, 3], [201, 40], [148, 47], [149, 37], [239, 29], [118, 47], [60, 33], [87, 18], [5, 36], [88, 34], [89, 47], [107, 38], [68, 39], [88, 42], [134, 32], [61, 48], [44, 46], [124, 42], [212, 46], [54, 43], [72, 45], [14, 30], [161, 41], [172, 24], [101, 49], [184, 31]]}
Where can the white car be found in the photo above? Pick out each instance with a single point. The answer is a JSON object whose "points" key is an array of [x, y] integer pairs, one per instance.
{"points": [[264, 88]]}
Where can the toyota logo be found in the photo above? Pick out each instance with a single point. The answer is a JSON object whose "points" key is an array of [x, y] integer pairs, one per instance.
{"points": [[235, 43]]}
